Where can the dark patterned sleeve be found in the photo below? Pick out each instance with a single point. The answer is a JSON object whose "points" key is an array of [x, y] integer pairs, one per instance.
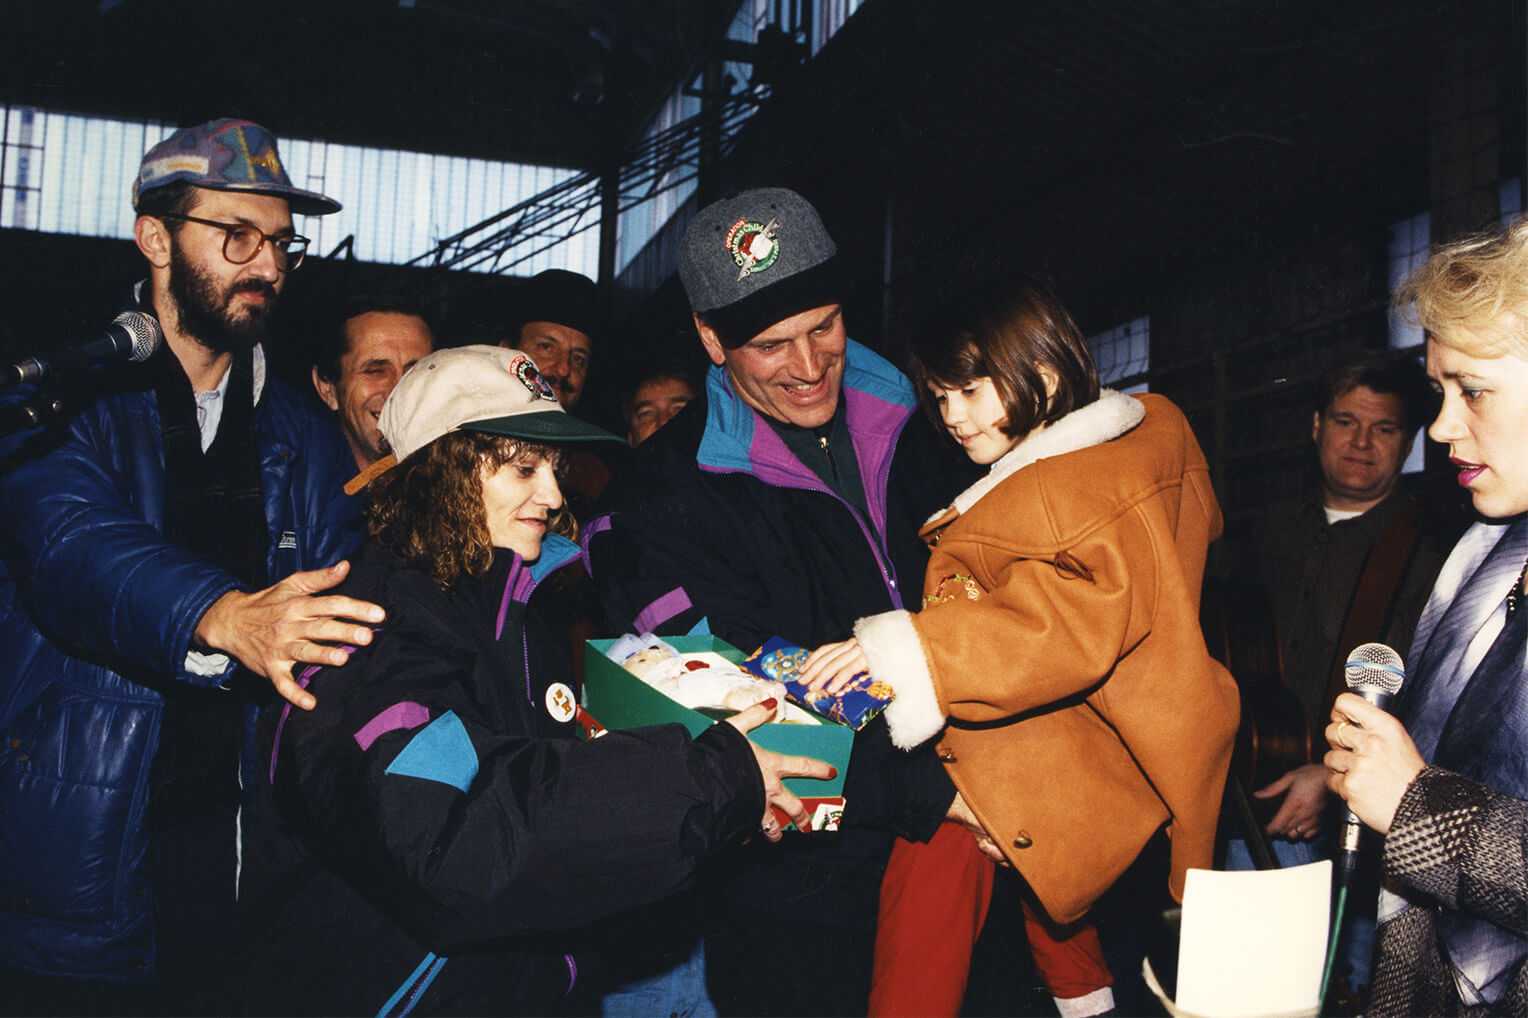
{"points": [[1462, 843]]}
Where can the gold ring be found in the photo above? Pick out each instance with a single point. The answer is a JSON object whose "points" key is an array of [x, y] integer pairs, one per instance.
{"points": [[1340, 726]]}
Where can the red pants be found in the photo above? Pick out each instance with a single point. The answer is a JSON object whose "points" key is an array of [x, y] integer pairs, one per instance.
{"points": [[933, 903]]}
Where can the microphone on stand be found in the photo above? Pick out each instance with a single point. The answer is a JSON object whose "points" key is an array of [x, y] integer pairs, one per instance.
{"points": [[132, 336], [1374, 672]]}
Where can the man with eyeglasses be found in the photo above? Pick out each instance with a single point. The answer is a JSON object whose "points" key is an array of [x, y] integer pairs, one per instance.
{"points": [[183, 524]]}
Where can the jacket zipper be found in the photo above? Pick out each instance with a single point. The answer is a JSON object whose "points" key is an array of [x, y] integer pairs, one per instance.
{"points": [[882, 557]]}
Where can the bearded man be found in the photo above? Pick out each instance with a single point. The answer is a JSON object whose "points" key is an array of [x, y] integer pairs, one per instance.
{"points": [[176, 528]]}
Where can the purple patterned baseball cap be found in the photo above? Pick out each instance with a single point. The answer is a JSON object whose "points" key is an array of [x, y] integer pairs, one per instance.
{"points": [[226, 155]]}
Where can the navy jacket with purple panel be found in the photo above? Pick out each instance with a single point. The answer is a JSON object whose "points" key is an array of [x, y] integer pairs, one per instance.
{"points": [[433, 839], [715, 524]]}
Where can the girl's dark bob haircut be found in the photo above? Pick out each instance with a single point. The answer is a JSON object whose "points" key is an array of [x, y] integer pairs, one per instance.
{"points": [[1005, 329]]}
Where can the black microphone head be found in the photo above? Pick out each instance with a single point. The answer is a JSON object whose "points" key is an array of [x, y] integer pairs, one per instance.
{"points": [[145, 332], [1374, 667]]}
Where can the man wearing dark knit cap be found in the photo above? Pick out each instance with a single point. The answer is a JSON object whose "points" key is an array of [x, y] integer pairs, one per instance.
{"points": [[785, 501], [558, 315]]}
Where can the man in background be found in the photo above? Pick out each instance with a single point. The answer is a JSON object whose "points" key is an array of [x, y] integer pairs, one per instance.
{"points": [[1351, 563], [373, 340], [653, 401], [557, 319]]}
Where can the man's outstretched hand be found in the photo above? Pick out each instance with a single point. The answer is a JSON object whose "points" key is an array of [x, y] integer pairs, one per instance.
{"points": [[274, 630]]}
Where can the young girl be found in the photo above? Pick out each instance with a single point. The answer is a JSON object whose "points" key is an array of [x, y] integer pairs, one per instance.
{"points": [[1057, 658]]}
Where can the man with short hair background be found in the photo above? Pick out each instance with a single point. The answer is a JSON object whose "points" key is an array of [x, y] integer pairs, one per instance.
{"points": [[179, 526], [655, 399], [361, 354], [1310, 552], [1313, 554]]}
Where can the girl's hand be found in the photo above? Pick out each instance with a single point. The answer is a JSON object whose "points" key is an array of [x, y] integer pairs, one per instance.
{"points": [[834, 665]]}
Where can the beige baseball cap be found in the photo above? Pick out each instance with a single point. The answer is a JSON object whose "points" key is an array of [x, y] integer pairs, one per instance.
{"points": [[491, 389]]}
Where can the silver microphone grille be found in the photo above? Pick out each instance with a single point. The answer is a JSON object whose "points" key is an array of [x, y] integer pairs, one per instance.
{"points": [[1374, 666], [145, 331]]}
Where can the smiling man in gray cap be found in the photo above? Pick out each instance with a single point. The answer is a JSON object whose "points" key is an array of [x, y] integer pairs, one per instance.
{"points": [[785, 501], [178, 527]]}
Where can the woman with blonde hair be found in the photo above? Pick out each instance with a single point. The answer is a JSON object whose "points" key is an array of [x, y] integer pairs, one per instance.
{"points": [[1446, 777]]}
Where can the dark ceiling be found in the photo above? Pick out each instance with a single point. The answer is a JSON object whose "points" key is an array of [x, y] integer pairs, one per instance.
{"points": [[1108, 141], [987, 96], [553, 81], [1123, 149]]}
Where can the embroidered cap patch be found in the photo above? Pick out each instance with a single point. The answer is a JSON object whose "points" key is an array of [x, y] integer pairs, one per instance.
{"points": [[753, 245], [530, 375]]}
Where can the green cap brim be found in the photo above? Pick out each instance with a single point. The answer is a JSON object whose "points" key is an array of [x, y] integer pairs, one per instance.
{"points": [[550, 426]]}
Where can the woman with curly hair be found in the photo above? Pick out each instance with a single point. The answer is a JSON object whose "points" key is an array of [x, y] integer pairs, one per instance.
{"points": [[432, 837]]}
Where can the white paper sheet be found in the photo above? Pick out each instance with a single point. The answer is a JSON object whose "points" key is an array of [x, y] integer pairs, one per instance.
{"points": [[1254, 942]]}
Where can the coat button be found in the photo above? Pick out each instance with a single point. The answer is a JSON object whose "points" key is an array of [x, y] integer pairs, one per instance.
{"points": [[946, 756], [1023, 840]]}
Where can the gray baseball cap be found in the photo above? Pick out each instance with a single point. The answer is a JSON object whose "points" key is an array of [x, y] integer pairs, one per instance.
{"points": [[755, 259]]}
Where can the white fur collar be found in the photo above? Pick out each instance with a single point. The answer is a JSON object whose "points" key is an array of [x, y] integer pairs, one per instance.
{"points": [[1108, 417]]}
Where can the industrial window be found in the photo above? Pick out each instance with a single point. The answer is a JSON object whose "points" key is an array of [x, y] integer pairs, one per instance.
{"points": [[1409, 240], [660, 176], [1123, 354], [67, 173], [1511, 200]]}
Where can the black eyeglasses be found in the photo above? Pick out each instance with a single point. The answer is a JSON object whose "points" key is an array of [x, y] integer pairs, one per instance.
{"points": [[241, 242]]}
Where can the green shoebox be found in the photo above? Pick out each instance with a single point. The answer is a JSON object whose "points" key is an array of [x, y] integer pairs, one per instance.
{"points": [[618, 699]]}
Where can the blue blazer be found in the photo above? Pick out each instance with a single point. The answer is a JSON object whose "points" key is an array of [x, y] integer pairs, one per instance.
{"points": [[93, 598]]}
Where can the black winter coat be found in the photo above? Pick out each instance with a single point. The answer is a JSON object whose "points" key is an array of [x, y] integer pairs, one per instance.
{"points": [[713, 518], [714, 507], [431, 837]]}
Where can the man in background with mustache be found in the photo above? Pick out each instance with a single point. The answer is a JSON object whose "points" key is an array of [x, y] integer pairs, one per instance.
{"points": [[558, 319], [177, 527]]}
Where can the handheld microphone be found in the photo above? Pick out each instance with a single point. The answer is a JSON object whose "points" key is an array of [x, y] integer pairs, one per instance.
{"points": [[1374, 672], [132, 336]]}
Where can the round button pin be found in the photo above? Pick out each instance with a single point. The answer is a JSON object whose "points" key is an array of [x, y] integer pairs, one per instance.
{"points": [[560, 702]]}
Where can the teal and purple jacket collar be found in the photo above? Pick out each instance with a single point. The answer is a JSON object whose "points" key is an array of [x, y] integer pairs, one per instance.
{"points": [[556, 552], [878, 400]]}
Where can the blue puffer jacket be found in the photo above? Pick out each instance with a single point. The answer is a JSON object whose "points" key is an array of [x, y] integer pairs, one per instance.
{"points": [[92, 599]]}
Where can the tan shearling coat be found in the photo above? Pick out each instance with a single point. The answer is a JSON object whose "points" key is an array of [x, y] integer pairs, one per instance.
{"points": [[1060, 639]]}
